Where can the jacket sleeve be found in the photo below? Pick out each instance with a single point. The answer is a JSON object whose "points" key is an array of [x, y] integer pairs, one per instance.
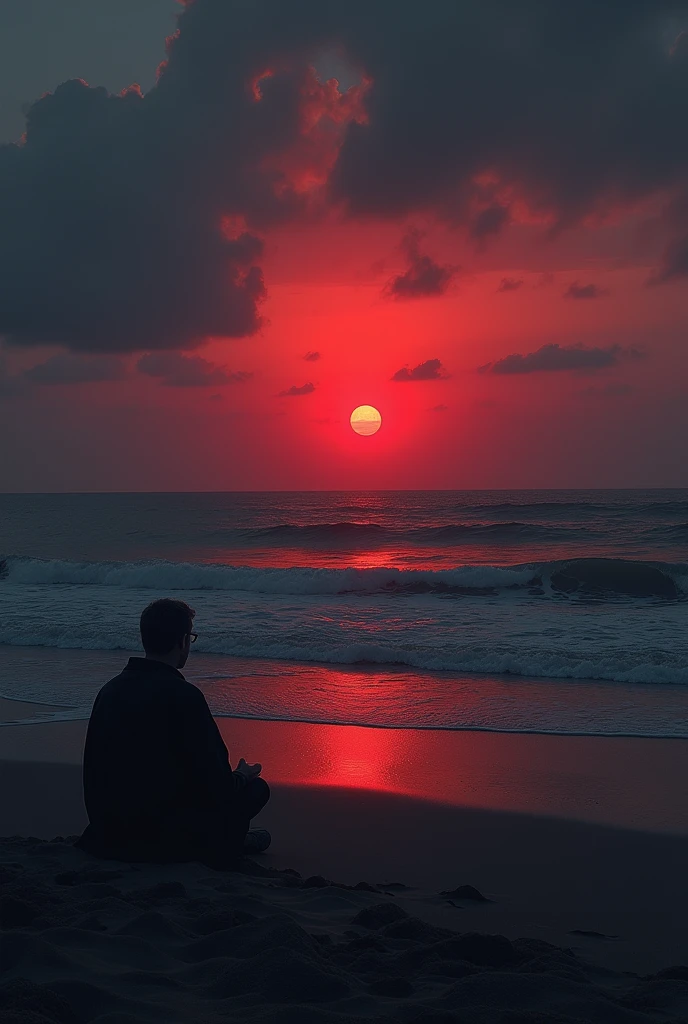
{"points": [[205, 756]]}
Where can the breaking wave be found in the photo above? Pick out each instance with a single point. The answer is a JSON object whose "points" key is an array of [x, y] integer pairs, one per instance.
{"points": [[582, 577]]}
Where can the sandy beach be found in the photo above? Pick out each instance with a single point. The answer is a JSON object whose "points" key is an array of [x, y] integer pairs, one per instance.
{"points": [[571, 852]]}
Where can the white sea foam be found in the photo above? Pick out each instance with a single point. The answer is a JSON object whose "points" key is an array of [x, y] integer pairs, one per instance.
{"points": [[367, 695], [500, 634], [545, 664]]}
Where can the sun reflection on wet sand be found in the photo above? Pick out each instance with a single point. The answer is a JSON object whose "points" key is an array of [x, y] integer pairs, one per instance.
{"points": [[614, 780], [363, 758]]}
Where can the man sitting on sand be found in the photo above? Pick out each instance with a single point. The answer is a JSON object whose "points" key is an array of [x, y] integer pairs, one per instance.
{"points": [[158, 784]]}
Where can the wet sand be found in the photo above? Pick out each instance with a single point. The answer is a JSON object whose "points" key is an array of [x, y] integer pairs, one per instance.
{"points": [[618, 781], [564, 834]]}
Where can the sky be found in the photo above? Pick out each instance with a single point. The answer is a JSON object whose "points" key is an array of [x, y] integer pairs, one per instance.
{"points": [[226, 224]]}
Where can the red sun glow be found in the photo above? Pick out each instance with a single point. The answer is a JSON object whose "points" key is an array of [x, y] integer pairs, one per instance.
{"points": [[366, 420]]}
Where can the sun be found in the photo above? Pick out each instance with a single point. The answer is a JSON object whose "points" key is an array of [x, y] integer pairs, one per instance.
{"points": [[366, 420]]}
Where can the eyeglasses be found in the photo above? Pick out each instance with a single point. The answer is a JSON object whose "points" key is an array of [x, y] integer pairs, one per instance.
{"points": [[193, 637]]}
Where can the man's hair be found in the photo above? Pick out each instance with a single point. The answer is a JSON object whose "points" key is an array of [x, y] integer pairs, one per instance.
{"points": [[164, 624]]}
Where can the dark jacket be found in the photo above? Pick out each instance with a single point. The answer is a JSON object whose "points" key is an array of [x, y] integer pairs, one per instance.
{"points": [[158, 784]]}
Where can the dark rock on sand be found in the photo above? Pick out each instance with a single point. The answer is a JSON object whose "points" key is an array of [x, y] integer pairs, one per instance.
{"points": [[318, 882], [315, 882], [465, 892], [379, 915], [286, 878]]}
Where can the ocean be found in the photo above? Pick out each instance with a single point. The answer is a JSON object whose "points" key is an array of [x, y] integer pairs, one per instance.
{"points": [[541, 611]]}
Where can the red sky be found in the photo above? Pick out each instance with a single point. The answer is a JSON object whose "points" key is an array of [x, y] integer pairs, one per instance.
{"points": [[620, 423], [622, 426]]}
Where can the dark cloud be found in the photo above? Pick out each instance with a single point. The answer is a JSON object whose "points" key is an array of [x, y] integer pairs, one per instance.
{"points": [[44, 42], [439, 408], [584, 291], [69, 369], [107, 242], [558, 358], [62, 368], [510, 284], [424, 277], [180, 371], [570, 121], [295, 392], [312, 357], [489, 221], [431, 369], [132, 223]]}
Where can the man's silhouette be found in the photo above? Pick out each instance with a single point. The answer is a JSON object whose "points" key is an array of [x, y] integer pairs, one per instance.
{"points": [[158, 784]]}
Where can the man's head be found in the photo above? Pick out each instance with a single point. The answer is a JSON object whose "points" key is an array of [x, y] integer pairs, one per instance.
{"points": [[167, 631]]}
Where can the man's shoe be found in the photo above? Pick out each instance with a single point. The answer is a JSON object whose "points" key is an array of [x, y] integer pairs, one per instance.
{"points": [[257, 840]]}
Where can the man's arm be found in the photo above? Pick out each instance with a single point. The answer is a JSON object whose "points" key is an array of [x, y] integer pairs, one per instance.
{"points": [[203, 751]]}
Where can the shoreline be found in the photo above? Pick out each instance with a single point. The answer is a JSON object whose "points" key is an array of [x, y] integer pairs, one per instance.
{"points": [[365, 696], [58, 712], [618, 782]]}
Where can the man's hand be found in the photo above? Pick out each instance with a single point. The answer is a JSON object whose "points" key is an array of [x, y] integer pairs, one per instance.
{"points": [[249, 771]]}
